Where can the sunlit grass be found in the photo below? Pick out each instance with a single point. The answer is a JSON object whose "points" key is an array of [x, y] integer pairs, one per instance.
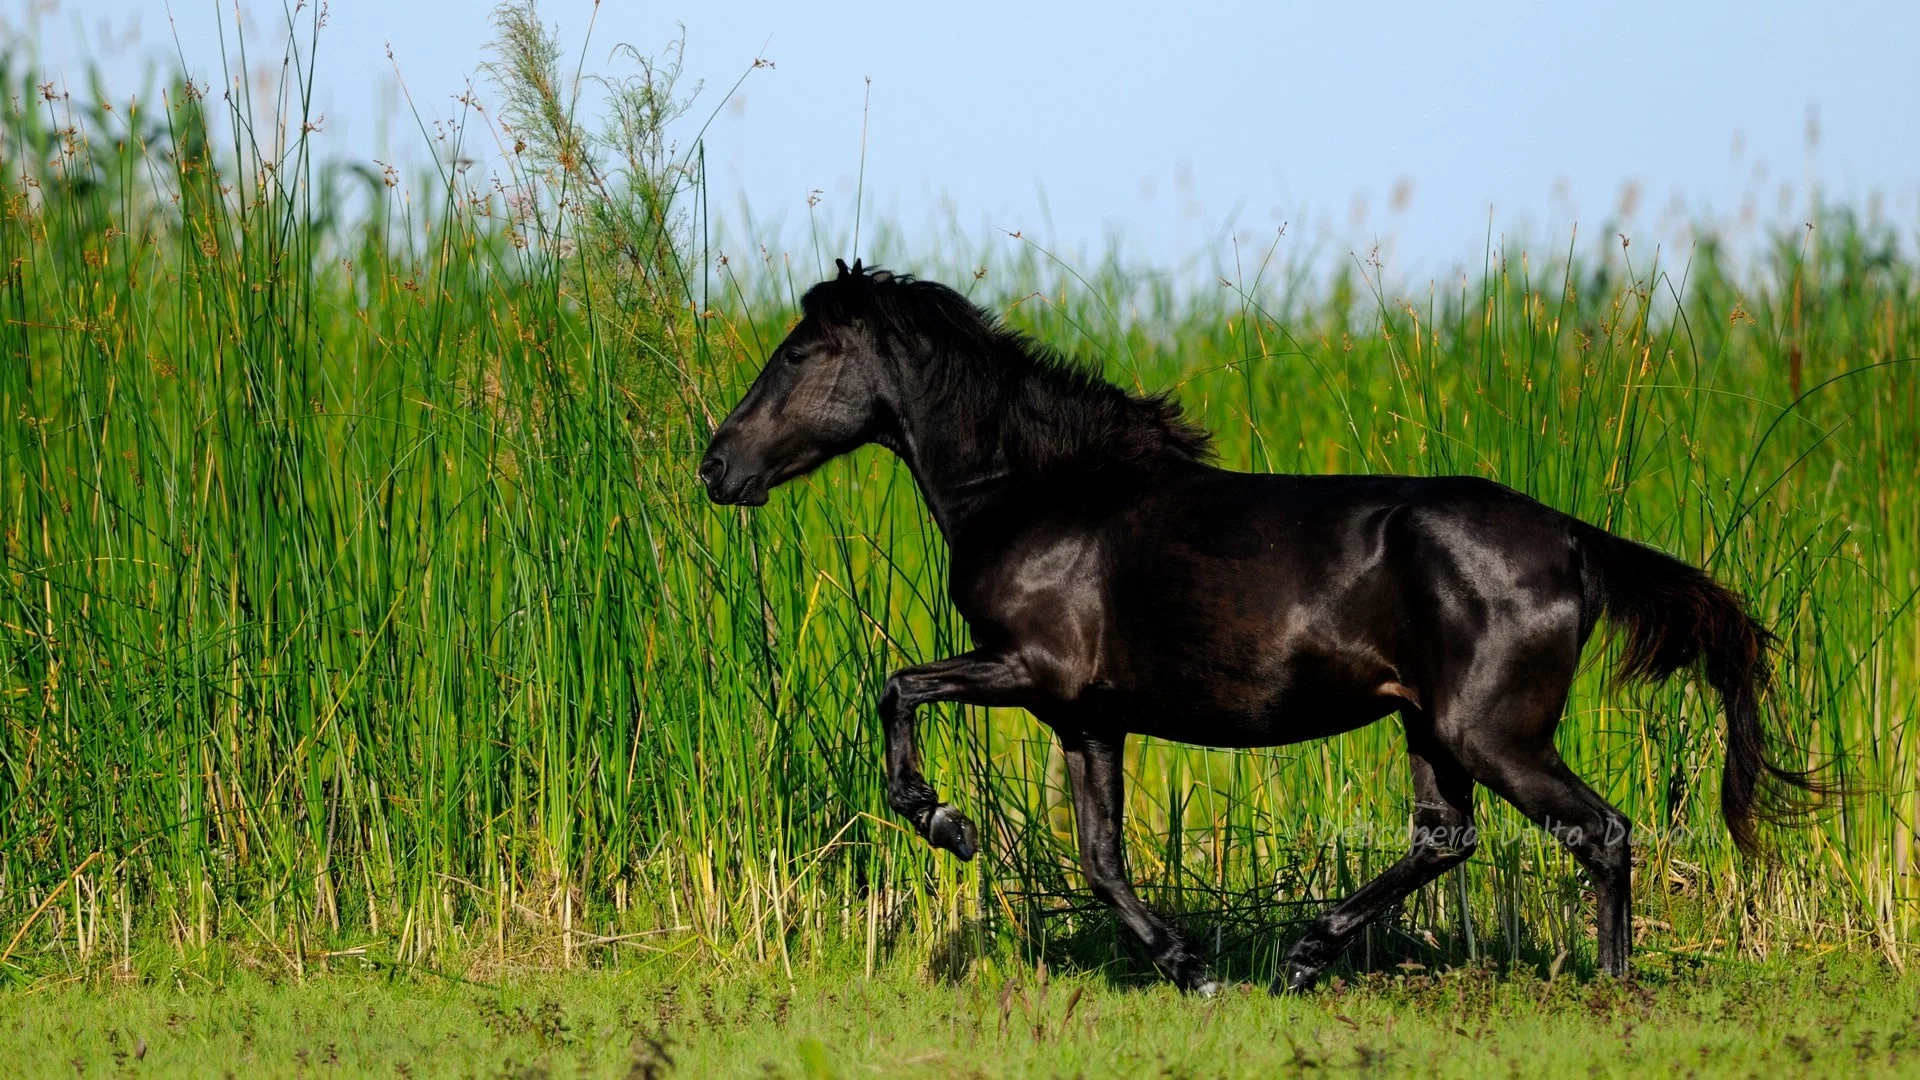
{"points": [[1821, 1016]]}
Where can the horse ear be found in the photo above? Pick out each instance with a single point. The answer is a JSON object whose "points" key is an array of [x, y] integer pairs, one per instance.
{"points": [[856, 267], [842, 264]]}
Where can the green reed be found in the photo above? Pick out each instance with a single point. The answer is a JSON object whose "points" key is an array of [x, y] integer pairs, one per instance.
{"points": [[358, 595]]}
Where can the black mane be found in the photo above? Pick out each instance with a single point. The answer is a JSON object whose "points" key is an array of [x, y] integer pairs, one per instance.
{"points": [[1052, 413]]}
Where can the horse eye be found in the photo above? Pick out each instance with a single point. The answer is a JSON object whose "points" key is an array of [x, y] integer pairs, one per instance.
{"points": [[794, 356]]}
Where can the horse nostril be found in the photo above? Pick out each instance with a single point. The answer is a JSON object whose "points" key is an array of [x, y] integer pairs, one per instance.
{"points": [[712, 469]]}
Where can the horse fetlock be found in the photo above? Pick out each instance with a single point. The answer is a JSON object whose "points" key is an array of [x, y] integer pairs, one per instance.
{"points": [[914, 801], [1305, 962], [1186, 969], [948, 828], [1297, 979]]}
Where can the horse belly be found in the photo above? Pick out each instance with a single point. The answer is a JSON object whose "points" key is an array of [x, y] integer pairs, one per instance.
{"points": [[1289, 715]]}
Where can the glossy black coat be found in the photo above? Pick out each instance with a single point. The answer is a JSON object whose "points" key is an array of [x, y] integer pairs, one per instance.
{"points": [[1116, 583]]}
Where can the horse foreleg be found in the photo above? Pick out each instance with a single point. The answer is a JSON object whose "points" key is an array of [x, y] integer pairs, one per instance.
{"points": [[1095, 768], [974, 678], [1443, 837]]}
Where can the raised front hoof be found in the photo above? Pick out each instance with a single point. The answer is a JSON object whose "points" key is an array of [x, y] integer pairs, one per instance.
{"points": [[949, 828]]}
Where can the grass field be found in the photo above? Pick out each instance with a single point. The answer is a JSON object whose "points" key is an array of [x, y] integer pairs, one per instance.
{"points": [[1818, 1016], [359, 604]]}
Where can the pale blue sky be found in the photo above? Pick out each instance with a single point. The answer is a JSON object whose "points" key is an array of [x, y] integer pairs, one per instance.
{"points": [[1161, 128]]}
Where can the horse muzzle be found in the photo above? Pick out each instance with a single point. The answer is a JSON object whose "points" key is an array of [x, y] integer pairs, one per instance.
{"points": [[730, 485]]}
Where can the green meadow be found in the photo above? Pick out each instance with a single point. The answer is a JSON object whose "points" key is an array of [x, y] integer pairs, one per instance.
{"points": [[376, 680], [1825, 1016]]}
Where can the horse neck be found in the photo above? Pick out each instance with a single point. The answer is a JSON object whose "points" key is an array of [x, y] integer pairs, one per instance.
{"points": [[964, 458], [959, 453], [960, 475]]}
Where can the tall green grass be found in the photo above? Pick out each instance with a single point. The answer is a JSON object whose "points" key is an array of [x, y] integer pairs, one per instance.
{"points": [[359, 600]]}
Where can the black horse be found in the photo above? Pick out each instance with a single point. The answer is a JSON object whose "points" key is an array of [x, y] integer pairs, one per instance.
{"points": [[1114, 582]]}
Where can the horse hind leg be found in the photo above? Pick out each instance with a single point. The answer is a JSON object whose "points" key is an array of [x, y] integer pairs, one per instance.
{"points": [[1531, 775], [1443, 837], [1503, 734]]}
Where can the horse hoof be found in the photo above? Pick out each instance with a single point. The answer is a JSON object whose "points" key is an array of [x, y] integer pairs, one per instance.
{"points": [[950, 829], [1187, 971], [1299, 979]]}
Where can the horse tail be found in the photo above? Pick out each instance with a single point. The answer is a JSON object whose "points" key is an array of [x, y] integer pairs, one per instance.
{"points": [[1675, 616]]}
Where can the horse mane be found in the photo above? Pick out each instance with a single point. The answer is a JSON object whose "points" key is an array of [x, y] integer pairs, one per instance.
{"points": [[1053, 413]]}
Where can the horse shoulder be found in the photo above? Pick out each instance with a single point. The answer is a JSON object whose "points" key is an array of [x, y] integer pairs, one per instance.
{"points": [[1040, 595]]}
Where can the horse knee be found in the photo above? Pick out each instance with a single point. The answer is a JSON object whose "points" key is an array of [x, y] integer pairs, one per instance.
{"points": [[890, 695]]}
